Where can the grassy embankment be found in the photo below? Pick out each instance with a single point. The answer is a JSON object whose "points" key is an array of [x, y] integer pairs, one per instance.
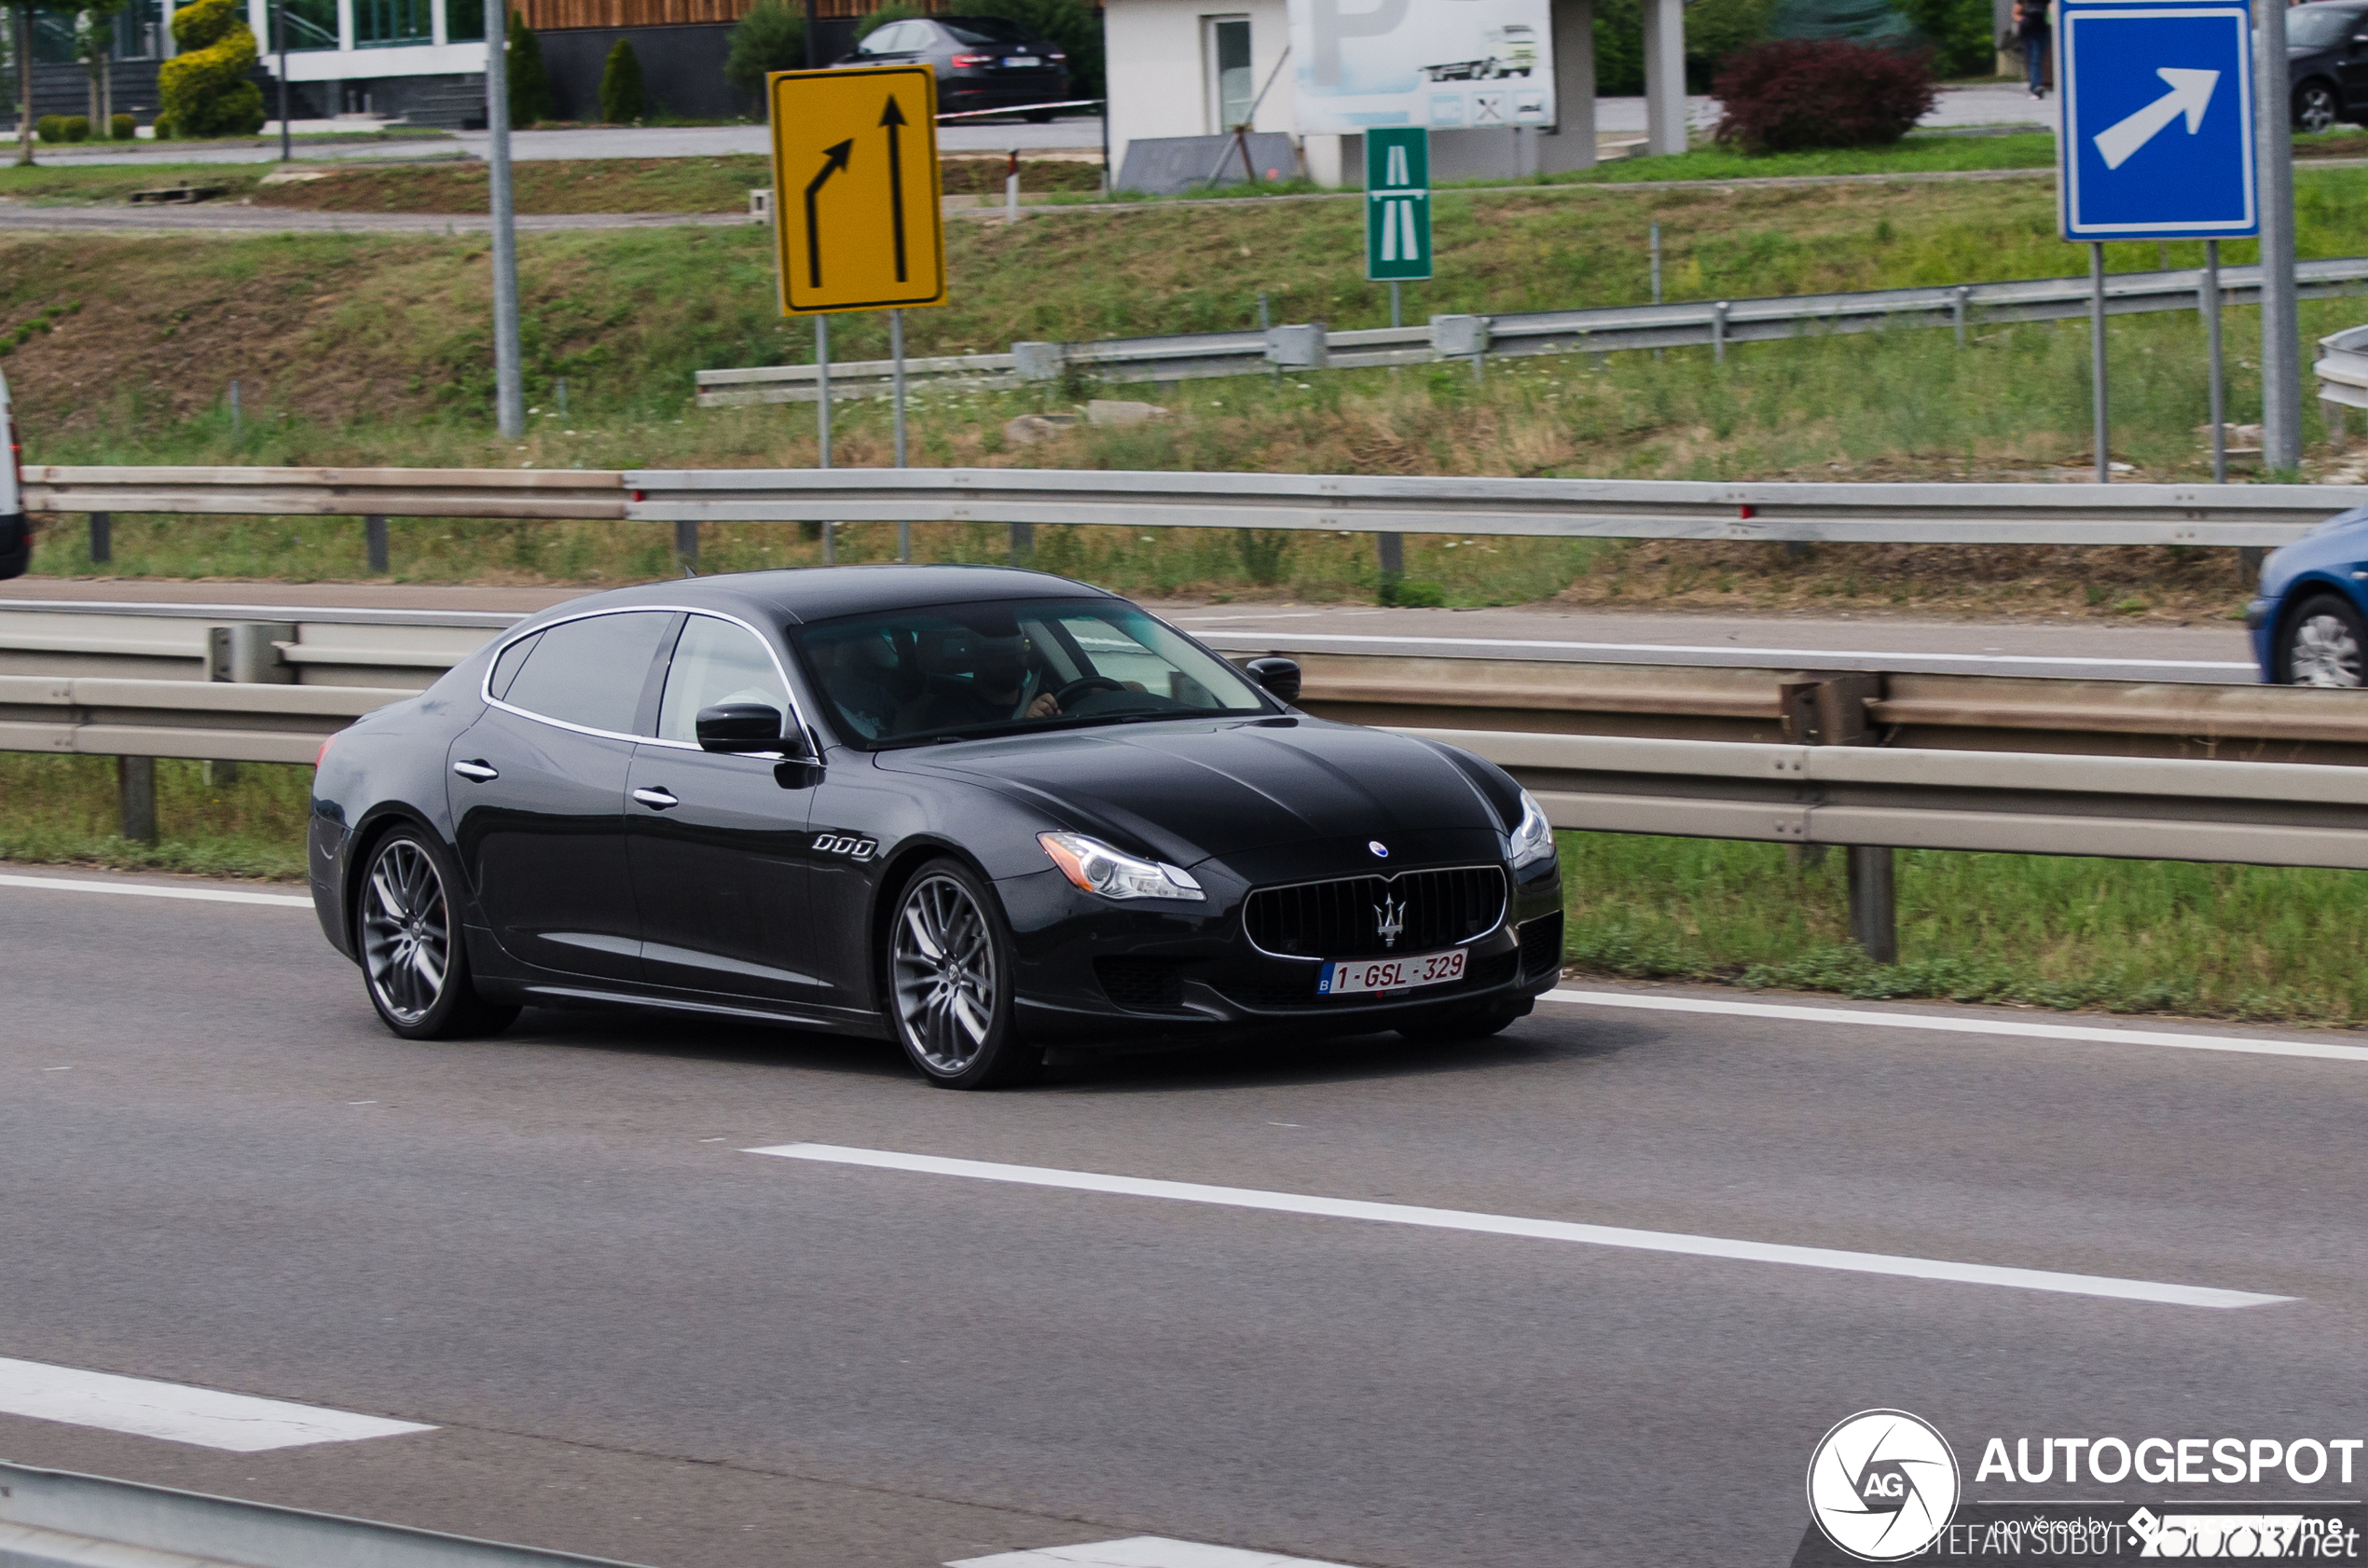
{"points": [[372, 349], [2134, 937]]}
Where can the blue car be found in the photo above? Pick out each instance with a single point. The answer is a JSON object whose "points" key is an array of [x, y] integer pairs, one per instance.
{"points": [[2309, 622]]}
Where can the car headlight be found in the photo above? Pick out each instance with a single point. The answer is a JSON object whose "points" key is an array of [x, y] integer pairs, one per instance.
{"points": [[1097, 868], [1533, 840]]}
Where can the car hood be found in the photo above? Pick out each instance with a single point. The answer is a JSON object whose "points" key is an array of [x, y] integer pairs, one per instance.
{"points": [[1189, 791]]}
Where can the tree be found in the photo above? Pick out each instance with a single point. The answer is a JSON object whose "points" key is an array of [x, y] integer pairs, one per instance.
{"points": [[621, 87], [530, 84], [206, 88], [771, 37], [94, 46]]}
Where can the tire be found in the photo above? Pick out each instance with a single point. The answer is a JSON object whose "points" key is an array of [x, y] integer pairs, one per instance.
{"points": [[1039, 116], [2317, 108], [1466, 1023], [414, 963], [2323, 643], [949, 982]]}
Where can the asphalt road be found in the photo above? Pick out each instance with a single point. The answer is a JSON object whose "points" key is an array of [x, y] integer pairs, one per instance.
{"points": [[635, 1339], [2100, 649]]}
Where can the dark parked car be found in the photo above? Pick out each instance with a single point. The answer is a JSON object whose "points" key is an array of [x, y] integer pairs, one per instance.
{"points": [[2309, 622], [979, 811], [2327, 51], [981, 62]]}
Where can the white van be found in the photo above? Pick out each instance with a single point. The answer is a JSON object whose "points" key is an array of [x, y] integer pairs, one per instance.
{"points": [[15, 534]]}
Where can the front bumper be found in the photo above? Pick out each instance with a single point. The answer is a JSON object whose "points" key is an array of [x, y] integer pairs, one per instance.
{"points": [[1092, 971], [16, 545]]}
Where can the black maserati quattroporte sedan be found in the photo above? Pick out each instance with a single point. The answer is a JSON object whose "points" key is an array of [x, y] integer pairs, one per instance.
{"points": [[983, 811]]}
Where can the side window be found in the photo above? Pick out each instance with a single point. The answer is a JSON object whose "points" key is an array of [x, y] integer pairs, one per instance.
{"points": [[590, 672], [505, 668], [716, 662]]}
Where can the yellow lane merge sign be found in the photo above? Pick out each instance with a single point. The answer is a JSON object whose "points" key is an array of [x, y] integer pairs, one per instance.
{"points": [[855, 202]]}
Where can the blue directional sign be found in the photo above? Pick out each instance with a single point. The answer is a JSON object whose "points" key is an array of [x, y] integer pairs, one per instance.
{"points": [[2157, 138]]}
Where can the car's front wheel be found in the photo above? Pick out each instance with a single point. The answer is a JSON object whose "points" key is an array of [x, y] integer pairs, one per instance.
{"points": [[949, 964], [2316, 107], [413, 956], [2323, 644]]}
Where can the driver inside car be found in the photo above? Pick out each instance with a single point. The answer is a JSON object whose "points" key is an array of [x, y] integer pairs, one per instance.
{"points": [[999, 671]]}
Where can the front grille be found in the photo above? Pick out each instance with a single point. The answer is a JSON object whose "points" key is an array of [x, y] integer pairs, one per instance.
{"points": [[1141, 982], [1343, 919], [1267, 995], [1541, 945]]}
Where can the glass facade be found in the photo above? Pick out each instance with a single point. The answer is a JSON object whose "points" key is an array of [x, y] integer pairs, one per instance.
{"points": [[379, 23], [463, 21], [309, 24]]}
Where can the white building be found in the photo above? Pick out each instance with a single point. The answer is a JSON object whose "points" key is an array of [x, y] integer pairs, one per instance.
{"points": [[1202, 67]]}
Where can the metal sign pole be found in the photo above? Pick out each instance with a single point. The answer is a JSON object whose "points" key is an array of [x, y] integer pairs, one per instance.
{"points": [[2280, 327], [2096, 355], [2211, 337], [279, 23], [509, 383], [822, 424], [1396, 312], [896, 377]]}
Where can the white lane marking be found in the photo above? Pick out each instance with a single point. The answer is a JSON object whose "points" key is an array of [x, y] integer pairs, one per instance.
{"points": [[206, 1417], [139, 890], [1281, 615], [1779, 654], [1542, 1230], [2246, 1044], [1139, 1551]]}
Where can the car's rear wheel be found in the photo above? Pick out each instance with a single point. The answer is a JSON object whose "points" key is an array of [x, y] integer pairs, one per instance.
{"points": [[413, 956], [2316, 107], [950, 980], [2324, 644]]}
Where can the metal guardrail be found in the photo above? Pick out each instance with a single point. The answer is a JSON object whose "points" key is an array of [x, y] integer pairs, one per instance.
{"points": [[1190, 356], [226, 722], [2246, 516], [56, 1519]]}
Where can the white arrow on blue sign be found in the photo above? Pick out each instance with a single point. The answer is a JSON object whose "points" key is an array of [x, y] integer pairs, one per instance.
{"points": [[2158, 120]]}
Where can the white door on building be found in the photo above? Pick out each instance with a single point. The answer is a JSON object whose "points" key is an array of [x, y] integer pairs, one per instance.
{"points": [[1226, 49]]}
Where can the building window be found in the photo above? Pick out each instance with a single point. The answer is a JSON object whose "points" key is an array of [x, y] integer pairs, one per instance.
{"points": [[309, 24], [379, 23], [1227, 49], [463, 21]]}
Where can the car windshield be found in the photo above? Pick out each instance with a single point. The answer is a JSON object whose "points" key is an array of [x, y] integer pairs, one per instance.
{"points": [[2317, 26], [984, 30], [961, 671]]}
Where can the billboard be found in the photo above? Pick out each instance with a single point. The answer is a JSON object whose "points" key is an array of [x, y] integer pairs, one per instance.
{"points": [[1442, 64]]}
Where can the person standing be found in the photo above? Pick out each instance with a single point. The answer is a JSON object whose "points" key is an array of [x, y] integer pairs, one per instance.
{"points": [[2031, 26]]}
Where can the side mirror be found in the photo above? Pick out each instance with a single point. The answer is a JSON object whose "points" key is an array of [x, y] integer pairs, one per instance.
{"points": [[1279, 676], [748, 726]]}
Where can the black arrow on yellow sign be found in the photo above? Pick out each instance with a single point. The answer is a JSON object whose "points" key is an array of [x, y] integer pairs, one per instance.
{"points": [[837, 161], [893, 118]]}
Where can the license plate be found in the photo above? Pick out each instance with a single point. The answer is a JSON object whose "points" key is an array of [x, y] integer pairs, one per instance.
{"points": [[1022, 59], [1390, 974]]}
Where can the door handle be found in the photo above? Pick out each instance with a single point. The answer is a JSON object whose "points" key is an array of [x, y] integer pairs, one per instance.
{"points": [[656, 800], [476, 771]]}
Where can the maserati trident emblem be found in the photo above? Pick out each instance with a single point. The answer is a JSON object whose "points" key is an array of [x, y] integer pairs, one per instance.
{"points": [[1378, 848], [1389, 919]]}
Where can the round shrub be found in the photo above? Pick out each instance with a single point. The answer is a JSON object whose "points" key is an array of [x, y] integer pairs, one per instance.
{"points": [[122, 128], [1789, 94], [50, 128], [77, 128], [205, 87]]}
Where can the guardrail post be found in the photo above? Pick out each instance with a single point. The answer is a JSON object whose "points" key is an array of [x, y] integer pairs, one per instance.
{"points": [[1718, 333], [1298, 346], [1874, 906], [1390, 552], [1455, 337], [101, 538], [373, 538], [1022, 544], [687, 542], [1956, 297], [1036, 361], [135, 780]]}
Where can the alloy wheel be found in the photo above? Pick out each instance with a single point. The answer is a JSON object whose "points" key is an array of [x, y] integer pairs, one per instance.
{"points": [[2315, 109], [2324, 652], [407, 931], [943, 972]]}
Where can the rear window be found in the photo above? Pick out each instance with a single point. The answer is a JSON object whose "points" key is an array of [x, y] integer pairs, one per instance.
{"points": [[984, 30], [591, 672]]}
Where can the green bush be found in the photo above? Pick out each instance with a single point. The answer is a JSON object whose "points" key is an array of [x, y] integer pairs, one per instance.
{"points": [[206, 88], [77, 128], [123, 127], [621, 87], [50, 128], [162, 129], [529, 83], [771, 37]]}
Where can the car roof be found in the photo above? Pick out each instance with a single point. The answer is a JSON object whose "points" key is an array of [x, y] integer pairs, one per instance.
{"points": [[825, 593]]}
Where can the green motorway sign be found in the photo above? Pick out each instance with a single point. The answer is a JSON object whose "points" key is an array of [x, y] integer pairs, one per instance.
{"points": [[1398, 203]]}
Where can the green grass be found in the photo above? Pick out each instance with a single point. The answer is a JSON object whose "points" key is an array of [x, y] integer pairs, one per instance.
{"points": [[64, 810], [1913, 154], [2273, 944]]}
